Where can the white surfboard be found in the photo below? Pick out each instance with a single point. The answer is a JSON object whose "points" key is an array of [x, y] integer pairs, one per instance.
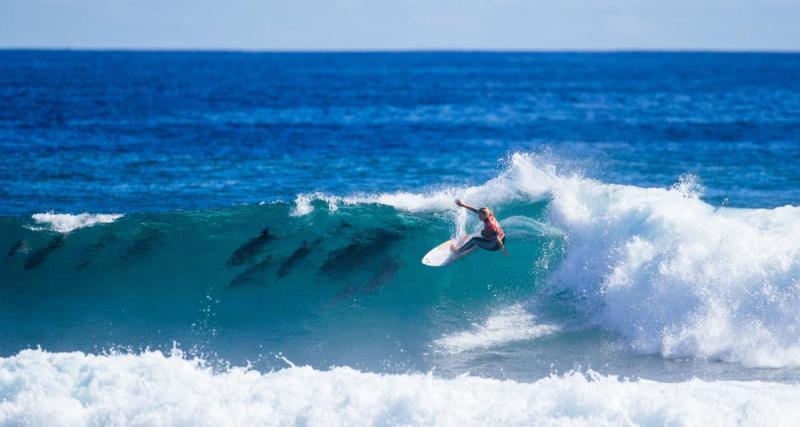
{"points": [[441, 255]]}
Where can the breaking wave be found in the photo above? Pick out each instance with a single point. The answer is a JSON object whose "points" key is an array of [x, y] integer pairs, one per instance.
{"points": [[661, 268]]}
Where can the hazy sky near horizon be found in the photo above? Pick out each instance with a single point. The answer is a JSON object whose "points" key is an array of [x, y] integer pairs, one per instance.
{"points": [[402, 24]]}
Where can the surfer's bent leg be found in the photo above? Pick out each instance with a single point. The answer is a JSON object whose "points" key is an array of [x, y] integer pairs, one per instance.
{"points": [[489, 245]]}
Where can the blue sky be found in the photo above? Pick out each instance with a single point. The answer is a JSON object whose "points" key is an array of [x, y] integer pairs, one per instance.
{"points": [[407, 24]]}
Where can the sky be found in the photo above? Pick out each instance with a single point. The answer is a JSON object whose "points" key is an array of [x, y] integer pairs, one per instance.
{"points": [[402, 24]]}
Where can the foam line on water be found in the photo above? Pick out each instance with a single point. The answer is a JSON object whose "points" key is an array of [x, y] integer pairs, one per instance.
{"points": [[38, 388], [504, 326], [65, 223]]}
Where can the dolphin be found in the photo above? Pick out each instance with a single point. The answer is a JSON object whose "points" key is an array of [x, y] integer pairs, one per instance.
{"points": [[144, 243], [298, 255], [365, 246], [388, 270], [92, 251], [250, 249], [21, 246], [39, 256], [252, 274], [382, 276]]}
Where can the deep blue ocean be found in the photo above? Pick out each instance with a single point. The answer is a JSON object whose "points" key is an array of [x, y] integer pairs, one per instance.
{"points": [[135, 131], [247, 228]]}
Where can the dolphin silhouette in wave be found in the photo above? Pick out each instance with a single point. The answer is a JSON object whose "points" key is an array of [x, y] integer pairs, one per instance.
{"points": [[250, 249]]}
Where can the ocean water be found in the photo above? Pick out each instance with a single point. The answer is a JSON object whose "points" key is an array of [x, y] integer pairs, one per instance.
{"points": [[200, 238]]}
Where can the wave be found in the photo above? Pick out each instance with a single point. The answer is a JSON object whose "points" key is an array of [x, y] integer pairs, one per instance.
{"points": [[39, 388], [659, 267]]}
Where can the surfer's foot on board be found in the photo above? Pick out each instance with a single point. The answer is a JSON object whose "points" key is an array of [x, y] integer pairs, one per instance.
{"points": [[453, 247]]}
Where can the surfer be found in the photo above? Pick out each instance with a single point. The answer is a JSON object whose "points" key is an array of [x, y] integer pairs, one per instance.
{"points": [[492, 236]]}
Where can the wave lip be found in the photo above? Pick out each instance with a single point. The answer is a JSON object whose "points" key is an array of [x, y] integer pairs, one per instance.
{"points": [[507, 325], [75, 389], [65, 223]]}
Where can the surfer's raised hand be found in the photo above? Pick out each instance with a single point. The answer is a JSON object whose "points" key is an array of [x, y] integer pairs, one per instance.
{"points": [[466, 206]]}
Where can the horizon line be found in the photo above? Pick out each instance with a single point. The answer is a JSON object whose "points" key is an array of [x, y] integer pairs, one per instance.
{"points": [[394, 50]]}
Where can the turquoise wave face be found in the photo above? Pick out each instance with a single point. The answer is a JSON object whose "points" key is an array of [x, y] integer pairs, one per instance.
{"points": [[623, 279], [342, 286]]}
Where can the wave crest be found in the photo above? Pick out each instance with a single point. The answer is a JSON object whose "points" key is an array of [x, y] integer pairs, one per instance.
{"points": [[65, 223]]}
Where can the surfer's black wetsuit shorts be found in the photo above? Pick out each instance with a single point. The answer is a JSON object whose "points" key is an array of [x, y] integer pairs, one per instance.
{"points": [[481, 242]]}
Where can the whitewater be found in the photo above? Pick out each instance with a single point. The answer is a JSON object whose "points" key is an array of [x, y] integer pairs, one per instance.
{"points": [[75, 389]]}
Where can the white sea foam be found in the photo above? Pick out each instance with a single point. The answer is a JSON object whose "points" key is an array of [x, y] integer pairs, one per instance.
{"points": [[507, 325], [303, 203], [678, 277], [65, 223], [671, 273], [38, 388]]}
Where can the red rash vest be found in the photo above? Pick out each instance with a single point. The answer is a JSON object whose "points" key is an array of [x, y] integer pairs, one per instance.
{"points": [[492, 228]]}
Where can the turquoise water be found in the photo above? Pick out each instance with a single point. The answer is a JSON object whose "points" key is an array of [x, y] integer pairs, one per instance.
{"points": [[316, 286], [338, 282]]}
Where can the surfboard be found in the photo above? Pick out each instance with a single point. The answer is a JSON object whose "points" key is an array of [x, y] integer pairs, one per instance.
{"points": [[441, 255]]}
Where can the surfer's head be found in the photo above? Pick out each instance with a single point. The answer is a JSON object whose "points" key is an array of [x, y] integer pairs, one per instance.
{"points": [[484, 213]]}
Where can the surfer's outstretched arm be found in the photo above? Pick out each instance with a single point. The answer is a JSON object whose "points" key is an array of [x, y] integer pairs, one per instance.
{"points": [[466, 206]]}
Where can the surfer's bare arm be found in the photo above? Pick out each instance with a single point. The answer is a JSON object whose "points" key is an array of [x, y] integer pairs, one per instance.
{"points": [[466, 206]]}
